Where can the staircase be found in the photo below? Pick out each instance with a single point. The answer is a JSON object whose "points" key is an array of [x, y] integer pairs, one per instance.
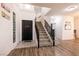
{"points": [[43, 37]]}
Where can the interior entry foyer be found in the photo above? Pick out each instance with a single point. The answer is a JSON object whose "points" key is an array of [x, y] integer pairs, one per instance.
{"points": [[27, 28]]}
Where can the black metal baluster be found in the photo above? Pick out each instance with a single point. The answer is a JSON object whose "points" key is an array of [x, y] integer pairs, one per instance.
{"points": [[53, 35]]}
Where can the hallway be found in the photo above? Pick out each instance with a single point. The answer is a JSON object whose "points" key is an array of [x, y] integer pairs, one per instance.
{"points": [[65, 48]]}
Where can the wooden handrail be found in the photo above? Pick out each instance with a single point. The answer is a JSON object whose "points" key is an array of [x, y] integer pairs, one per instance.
{"points": [[37, 33]]}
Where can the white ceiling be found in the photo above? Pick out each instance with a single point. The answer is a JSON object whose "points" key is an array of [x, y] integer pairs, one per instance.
{"points": [[57, 8], [54, 5]]}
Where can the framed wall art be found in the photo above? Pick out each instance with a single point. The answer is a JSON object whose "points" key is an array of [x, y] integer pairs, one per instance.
{"points": [[5, 12], [5, 15], [5, 7], [67, 25]]}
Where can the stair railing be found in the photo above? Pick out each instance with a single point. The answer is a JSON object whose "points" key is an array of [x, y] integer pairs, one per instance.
{"points": [[53, 35], [50, 31], [37, 33]]}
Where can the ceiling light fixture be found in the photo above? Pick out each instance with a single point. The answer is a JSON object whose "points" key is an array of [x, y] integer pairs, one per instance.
{"points": [[71, 8]]}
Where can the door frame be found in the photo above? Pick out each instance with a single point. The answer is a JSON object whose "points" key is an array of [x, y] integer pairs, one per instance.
{"points": [[21, 29]]}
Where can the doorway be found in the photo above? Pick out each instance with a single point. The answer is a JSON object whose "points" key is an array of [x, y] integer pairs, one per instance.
{"points": [[27, 30]]}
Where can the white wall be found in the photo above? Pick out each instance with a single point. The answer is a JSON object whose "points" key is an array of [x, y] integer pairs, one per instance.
{"points": [[27, 15], [6, 28], [45, 10], [6, 31], [58, 24], [60, 32], [58, 27], [76, 25], [68, 34]]}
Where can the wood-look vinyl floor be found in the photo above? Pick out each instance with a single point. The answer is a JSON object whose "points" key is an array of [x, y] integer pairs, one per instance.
{"points": [[65, 48]]}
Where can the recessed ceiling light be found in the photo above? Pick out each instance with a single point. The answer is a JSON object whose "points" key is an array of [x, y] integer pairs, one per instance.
{"points": [[71, 8]]}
